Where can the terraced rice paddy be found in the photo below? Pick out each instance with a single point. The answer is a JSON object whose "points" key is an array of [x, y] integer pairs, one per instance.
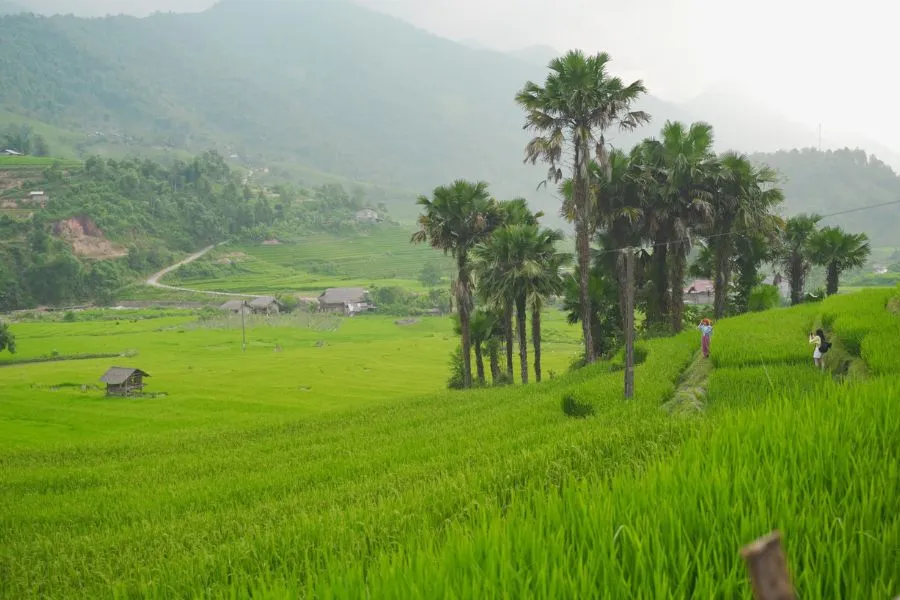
{"points": [[384, 257], [257, 476]]}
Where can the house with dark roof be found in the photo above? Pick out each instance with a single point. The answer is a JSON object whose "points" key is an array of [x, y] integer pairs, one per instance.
{"points": [[123, 381], [235, 307], [350, 301], [267, 305]]}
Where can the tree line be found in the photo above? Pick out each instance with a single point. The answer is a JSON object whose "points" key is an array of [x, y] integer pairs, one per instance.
{"points": [[154, 213], [23, 139], [663, 199]]}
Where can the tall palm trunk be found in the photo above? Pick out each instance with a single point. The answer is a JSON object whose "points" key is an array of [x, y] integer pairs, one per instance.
{"points": [[536, 337], [679, 266], [797, 279], [464, 306], [722, 276], [661, 277], [583, 243], [508, 339], [623, 286], [494, 354], [831, 280], [479, 363], [521, 315]]}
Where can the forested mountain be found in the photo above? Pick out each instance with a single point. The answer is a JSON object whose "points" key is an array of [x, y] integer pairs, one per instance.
{"points": [[306, 89], [327, 84], [829, 181], [99, 226]]}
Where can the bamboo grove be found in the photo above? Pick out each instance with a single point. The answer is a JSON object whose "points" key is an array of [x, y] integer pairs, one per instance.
{"points": [[670, 199]]}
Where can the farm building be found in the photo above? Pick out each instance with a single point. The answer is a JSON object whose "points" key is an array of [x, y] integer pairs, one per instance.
{"points": [[367, 215], [349, 301], [265, 305], [699, 291], [36, 198], [123, 381], [235, 307], [10, 152]]}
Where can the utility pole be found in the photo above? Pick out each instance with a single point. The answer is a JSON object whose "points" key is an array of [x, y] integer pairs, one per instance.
{"points": [[243, 327], [820, 137], [629, 323]]}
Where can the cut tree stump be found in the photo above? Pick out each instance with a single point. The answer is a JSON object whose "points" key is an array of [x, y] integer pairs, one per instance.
{"points": [[769, 575]]}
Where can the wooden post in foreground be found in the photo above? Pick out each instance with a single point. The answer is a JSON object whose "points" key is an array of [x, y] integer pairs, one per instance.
{"points": [[243, 327], [629, 323], [768, 569]]}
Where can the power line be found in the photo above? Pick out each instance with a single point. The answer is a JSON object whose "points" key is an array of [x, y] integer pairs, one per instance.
{"points": [[743, 231]]}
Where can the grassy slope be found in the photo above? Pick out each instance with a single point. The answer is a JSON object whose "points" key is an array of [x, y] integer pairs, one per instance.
{"points": [[198, 363], [383, 258], [238, 478]]}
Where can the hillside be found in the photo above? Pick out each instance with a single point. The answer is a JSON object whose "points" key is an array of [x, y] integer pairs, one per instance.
{"points": [[71, 232], [832, 181], [312, 91], [277, 83], [325, 459]]}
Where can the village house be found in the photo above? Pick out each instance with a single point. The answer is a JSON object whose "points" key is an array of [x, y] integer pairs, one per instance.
{"points": [[267, 305], [699, 291], [349, 301], [123, 381], [367, 215], [36, 197], [235, 307]]}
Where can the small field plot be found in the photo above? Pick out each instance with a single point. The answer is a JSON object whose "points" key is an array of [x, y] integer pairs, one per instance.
{"points": [[382, 257]]}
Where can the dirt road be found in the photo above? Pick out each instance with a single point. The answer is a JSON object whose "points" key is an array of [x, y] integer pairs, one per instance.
{"points": [[153, 281]]}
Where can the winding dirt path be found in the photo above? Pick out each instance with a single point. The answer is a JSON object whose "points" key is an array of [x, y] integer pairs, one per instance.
{"points": [[153, 280]]}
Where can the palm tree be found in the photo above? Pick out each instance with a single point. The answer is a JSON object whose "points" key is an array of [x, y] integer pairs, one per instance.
{"points": [[500, 264], [513, 212], [571, 113], [456, 218], [484, 327], [751, 250], [838, 251], [795, 252], [519, 266], [546, 280], [686, 165], [743, 201], [620, 202]]}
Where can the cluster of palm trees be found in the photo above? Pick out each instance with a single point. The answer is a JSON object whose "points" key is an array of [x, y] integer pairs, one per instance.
{"points": [[803, 245], [506, 264], [663, 197], [659, 201]]}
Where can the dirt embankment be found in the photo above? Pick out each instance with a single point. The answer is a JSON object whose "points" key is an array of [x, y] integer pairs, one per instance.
{"points": [[87, 239]]}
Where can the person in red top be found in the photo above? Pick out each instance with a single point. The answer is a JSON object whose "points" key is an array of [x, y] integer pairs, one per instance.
{"points": [[706, 330]]}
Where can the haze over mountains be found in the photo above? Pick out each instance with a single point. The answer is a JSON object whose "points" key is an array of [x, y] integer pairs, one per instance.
{"points": [[329, 85], [797, 60]]}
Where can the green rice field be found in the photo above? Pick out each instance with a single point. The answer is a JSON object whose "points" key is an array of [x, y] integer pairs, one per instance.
{"points": [[328, 461], [383, 257]]}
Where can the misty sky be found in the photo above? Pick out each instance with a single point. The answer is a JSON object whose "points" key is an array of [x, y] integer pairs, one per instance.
{"points": [[810, 61]]}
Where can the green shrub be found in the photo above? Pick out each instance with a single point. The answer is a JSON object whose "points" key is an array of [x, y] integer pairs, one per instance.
{"points": [[576, 407], [763, 297]]}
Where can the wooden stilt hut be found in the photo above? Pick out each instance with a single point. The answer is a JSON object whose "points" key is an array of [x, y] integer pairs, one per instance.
{"points": [[123, 381]]}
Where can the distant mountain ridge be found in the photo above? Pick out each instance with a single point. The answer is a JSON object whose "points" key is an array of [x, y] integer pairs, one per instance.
{"points": [[331, 87]]}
